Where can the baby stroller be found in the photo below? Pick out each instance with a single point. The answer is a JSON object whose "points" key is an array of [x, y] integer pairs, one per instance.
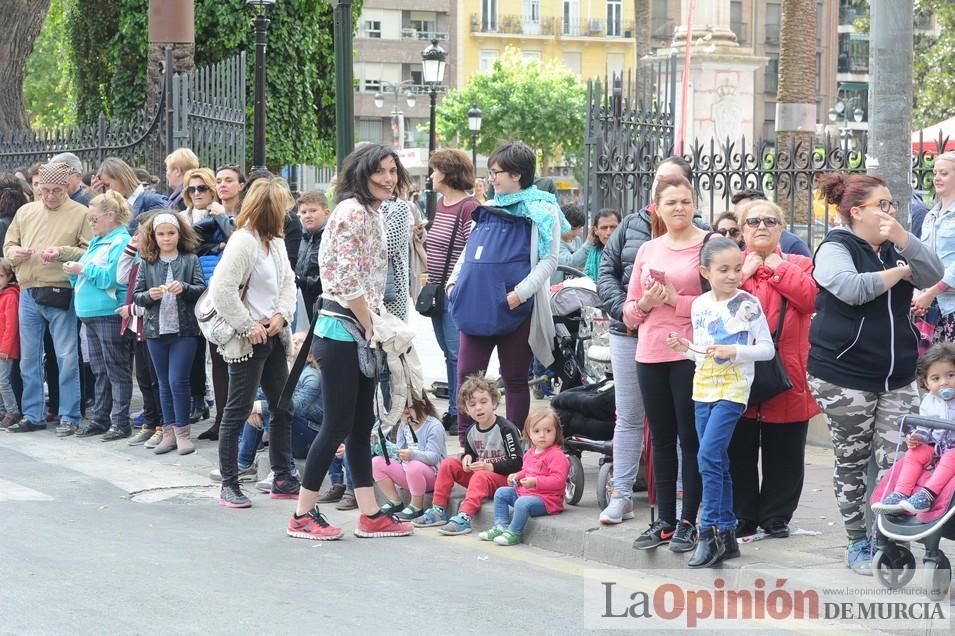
{"points": [[587, 417], [894, 563]]}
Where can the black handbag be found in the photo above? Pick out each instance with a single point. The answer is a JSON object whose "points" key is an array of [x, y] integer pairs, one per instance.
{"points": [[56, 297], [430, 301], [770, 377]]}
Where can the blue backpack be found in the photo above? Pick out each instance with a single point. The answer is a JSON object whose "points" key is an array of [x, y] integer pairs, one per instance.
{"points": [[497, 257]]}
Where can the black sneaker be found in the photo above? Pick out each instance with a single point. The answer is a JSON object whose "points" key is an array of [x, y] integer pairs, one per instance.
{"points": [[233, 497], [685, 537], [285, 488], [658, 533], [115, 432], [25, 426], [776, 528], [92, 429]]}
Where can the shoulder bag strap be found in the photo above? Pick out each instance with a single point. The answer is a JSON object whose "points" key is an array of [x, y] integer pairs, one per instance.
{"points": [[779, 325], [447, 260]]}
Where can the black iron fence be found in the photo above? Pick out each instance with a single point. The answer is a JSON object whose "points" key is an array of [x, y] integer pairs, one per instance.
{"points": [[203, 110]]}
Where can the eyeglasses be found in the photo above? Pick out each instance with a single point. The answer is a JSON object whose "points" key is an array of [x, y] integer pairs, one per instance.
{"points": [[199, 189], [884, 204], [729, 231], [768, 221], [493, 173], [94, 218]]}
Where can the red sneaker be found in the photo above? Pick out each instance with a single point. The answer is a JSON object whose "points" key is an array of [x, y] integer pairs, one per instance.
{"points": [[313, 526], [382, 526]]}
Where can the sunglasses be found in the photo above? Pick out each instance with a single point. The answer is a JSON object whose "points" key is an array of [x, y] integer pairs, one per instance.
{"points": [[884, 204], [199, 189], [768, 221], [729, 231]]}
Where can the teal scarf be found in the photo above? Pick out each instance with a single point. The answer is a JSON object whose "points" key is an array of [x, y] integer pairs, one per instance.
{"points": [[592, 267], [538, 206]]}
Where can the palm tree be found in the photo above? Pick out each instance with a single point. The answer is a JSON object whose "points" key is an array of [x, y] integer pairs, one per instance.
{"points": [[641, 12], [796, 98]]}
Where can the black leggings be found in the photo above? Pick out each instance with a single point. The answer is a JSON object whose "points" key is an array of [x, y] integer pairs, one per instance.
{"points": [[349, 415], [667, 389], [197, 376]]}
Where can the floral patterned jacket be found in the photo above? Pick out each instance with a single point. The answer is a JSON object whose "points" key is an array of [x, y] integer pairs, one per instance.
{"points": [[353, 257]]}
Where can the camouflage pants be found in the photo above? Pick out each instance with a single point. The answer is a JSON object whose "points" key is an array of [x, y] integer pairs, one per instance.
{"points": [[863, 426]]}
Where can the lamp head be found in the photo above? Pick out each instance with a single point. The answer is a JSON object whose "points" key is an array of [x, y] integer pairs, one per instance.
{"points": [[410, 98], [433, 62], [474, 119], [858, 114], [379, 100], [260, 7]]}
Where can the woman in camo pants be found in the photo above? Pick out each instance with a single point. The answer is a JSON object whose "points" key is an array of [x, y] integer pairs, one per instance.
{"points": [[863, 347]]}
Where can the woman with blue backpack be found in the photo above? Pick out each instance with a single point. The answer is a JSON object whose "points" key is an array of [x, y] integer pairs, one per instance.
{"points": [[498, 289]]}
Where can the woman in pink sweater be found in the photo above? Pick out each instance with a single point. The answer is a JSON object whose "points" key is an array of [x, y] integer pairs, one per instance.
{"points": [[664, 282], [538, 488]]}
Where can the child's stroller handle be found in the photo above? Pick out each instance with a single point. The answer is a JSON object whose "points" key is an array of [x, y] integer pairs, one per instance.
{"points": [[929, 422]]}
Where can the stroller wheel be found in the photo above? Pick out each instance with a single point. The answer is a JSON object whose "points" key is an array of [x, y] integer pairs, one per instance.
{"points": [[938, 577], [605, 484], [574, 488], [894, 566]]}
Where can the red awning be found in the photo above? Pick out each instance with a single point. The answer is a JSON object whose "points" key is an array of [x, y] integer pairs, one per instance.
{"points": [[932, 138]]}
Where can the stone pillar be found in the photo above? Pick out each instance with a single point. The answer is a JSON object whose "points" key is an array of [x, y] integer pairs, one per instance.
{"points": [[711, 18]]}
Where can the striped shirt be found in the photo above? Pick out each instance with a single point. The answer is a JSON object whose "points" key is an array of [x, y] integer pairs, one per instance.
{"points": [[439, 236]]}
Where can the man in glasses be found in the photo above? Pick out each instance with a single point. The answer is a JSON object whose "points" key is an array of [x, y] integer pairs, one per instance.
{"points": [[728, 225], [789, 243]]}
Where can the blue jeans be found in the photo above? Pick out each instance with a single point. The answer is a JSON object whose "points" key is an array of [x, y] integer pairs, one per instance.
{"points": [[524, 507], [448, 339], [715, 422], [34, 320], [172, 356]]}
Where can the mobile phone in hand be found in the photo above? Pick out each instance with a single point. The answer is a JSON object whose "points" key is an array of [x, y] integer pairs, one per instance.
{"points": [[658, 276]]}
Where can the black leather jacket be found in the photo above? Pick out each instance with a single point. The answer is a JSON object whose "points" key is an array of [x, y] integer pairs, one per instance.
{"points": [[187, 271], [307, 276]]}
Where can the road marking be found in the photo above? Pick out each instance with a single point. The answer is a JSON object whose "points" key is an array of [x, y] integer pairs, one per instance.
{"points": [[12, 491]]}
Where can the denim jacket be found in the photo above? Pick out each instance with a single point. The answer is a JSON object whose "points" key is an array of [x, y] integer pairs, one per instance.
{"points": [[938, 232], [306, 399]]}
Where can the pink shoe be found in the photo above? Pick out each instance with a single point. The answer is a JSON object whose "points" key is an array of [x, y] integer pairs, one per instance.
{"points": [[382, 526], [313, 526]]}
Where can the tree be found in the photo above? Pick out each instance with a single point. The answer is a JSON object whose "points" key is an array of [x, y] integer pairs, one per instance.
{"points": [[20, 23], [48, 85], [934, 65], [796, 96], [539, 104], [642, 29]]}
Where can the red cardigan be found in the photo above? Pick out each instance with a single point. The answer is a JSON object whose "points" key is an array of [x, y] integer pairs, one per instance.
{"points": [[9, 321], [792, 280]]}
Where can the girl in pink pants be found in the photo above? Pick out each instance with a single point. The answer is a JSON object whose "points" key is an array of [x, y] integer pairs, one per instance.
{"points": [[421, 449], [936, 373]]}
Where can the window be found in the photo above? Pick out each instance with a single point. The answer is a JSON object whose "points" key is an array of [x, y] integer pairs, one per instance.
{"points": [[572, 60], [372, 29], [736, 20], [370, 130], [772, 76], [531, 55], [486, 61], [370, 75], [489, 15], [773, 18], [532, 17], [571, 17], [614, 18], [424, 23]]}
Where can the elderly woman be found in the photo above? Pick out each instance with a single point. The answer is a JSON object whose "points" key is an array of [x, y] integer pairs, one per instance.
{"points": [[98, 294], [938, 232], [775, 429], [116, 175], [863, 348]]}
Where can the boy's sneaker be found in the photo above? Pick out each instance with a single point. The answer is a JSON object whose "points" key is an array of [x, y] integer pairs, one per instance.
{"points": [[233, 497], [285, 488], [921, 501], [618, 509], [508, 538], [890, 504], [409, 513], [143, 436], [246, 475], [432, 517], [313, 525], [658, 533], [347, 502], [859, 557], [458, 524], [684, 539], [332, 495], [382, 526], [65, 429], [492, 533], [153, 441]]}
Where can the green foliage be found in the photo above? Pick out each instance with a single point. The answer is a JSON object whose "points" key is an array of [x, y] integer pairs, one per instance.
{"points": [[301, 64], [934, 66], [48, 82], [539, 104]]}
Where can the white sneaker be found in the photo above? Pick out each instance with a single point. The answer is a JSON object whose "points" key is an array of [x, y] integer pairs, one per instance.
{"points": [[246, 475], [617, 510]]}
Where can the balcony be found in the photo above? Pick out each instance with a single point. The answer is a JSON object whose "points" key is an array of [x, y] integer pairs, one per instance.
{"points": [[414, 34], [514, 25], [595, 28], [853, 53]]}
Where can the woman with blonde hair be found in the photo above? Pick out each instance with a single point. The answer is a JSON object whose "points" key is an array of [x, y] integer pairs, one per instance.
{"points": [[254, 291], [199, 195], [116, 175], [938, 232], [98, 295]]}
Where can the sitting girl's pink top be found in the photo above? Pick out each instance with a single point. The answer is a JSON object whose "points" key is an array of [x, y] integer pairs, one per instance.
{"points": [[550, 468], [682, 267]]}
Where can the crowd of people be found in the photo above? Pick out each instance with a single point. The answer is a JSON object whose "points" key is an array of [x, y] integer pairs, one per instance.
{"points": [[725, 341]]}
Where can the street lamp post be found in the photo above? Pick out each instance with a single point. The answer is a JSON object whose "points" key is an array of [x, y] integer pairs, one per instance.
{"points": [[261, 22], [474, 125], [843, 108], [433, 62], [397, 117]]}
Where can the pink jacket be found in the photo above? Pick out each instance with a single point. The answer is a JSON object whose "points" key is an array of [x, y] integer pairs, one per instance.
{"points": [[550, 468]]}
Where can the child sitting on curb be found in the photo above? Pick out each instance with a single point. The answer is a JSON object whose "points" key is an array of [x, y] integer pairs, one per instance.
{"points": [[538, 489], [492, 451], [421, 449]]}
